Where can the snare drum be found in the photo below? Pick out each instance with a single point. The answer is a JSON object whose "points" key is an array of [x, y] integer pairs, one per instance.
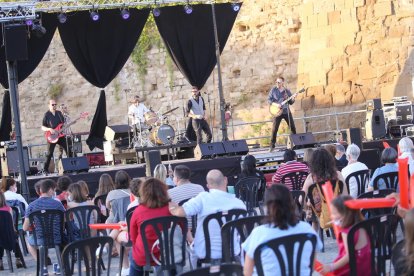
{"points": [[150, 118], [163, 135]]}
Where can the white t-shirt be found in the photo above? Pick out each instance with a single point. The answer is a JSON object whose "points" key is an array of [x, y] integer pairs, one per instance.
{"points": [[136, 113], [9, 195], [351, 168], [267, 232]]}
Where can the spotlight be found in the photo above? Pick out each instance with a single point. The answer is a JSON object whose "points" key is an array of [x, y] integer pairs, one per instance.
{"points": [[188, 9], [235, 7], [29, 22], [62, 18], [94, 15], [156, 12], [125, 14], [38, 30]]}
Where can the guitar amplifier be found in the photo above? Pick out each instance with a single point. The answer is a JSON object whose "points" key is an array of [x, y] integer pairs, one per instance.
{"points": [[10, 161]]}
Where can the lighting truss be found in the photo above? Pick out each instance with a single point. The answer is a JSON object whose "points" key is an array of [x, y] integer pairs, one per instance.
{"points": [[16, 11]]}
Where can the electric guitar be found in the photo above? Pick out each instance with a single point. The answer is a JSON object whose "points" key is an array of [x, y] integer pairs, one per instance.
{"points": [[59, 130], [276, 109]]}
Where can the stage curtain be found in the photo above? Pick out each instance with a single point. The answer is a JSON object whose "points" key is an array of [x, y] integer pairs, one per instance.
{"points": [[99, 124], [189, 38], [6, 118], [36, 48]]}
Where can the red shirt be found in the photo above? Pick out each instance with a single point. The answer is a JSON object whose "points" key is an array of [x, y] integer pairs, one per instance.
{"points": [[141, 214]]}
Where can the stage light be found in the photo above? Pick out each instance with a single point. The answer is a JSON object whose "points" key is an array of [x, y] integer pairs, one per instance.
{"points": [[235, 6], [94, 15], [62, 18], [156, 12], [29, 22], [188, 9], [38, 30], [125, 14]]}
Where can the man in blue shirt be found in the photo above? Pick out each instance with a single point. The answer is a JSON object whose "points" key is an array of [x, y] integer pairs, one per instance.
{"points": [[278, 94]]}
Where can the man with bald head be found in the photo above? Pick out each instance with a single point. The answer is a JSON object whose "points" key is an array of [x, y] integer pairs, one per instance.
{"points": [[205, 203]]}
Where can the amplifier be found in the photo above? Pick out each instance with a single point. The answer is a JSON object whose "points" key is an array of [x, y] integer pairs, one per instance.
{"points": [[410, 131], [10, 161], [397, 131], [404, 114]]}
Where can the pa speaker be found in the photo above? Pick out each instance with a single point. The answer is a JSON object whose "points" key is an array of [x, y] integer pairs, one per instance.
{"points": [[374, 104], [375, 125], [152, 159], [209, 150], [354, 136], [236, 147], [73, 165], [116, 132], [301, 141], [10, 161], [15, 38]]}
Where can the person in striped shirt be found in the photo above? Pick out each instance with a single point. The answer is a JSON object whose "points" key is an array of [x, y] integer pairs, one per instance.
{"points": [[290, 165]]}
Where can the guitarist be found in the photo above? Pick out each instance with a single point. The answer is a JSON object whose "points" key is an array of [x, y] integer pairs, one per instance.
{"points": [[51, 120], [277, 95]]}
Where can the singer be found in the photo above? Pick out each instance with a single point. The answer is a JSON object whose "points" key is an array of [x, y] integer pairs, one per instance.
{"points": [[196, 109]]}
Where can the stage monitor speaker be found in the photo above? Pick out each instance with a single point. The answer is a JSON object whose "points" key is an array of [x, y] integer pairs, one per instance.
{"points": [[374, 104], [73, 165], [116, 132], [152, 159], [15, 38], [209, 150], [375, 125], [301, 141], [236, 147], [354, 136], [10, 161]]}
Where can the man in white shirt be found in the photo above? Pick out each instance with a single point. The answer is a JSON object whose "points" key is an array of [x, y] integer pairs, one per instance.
{"points": [[352, 154], [204, 204], [136, 111]]}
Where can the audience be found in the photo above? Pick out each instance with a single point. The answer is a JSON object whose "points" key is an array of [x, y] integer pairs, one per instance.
{"points": [[352, 154], [63, 183], [403, 253], [160, 172], [134, 187], [389, 159], [76, 196], [9, 188], [340, 156], [153, 203], [281, 222], [290, 166], [121, 188], [248, 169], [345, 218], [106, 185], [307, 155], [406, 145]]}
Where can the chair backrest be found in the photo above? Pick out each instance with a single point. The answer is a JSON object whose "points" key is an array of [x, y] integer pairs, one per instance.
{"points": [[247, 190], [17, 203], [169, 242], [48, 227], [220, 218], [390, 179], [129, 214], [78, 220], [16, 214], [100, 201], [89, 251], [368, 213], [7, 236], [361, 178], [298, 196], [381, 232], [241, 227], [296, 179], [217, 270], [289, 262]]}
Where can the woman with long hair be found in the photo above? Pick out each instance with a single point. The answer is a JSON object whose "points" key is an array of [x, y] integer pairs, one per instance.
{"points": [[106, 184]]}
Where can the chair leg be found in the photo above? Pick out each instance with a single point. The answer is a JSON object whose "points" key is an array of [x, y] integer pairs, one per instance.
{"points": [[9, 260], [23, 242], [20, 254], [43, 261], [59, 257], [321, 236], [121, 258], [37, 262]]}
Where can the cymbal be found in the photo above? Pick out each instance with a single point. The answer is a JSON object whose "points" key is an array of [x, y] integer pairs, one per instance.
{"points": [[169, 111]]}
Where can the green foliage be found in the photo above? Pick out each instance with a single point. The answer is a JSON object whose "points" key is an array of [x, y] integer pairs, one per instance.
{"points": [[117, 88], [170, 70], [55, 90]]}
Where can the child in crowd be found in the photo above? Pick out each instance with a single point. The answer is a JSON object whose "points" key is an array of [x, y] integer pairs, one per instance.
{"points": [[63, 183], [134, 186], [345, 218]]}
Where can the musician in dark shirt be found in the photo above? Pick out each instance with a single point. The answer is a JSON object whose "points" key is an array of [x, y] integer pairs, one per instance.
{"points": [[51, 120], [278, 94]]}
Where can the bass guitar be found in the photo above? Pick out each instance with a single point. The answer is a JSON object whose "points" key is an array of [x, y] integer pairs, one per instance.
{"points": [[60, 129], [276, 109]]}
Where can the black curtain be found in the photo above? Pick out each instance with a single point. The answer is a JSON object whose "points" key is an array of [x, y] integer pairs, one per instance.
{"points": [[36, 47], [189, 38], [6, 118], [99, 50]]}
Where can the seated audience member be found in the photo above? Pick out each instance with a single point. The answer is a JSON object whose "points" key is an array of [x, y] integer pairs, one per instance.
{"points": [[85, 189], [5, 208], [248, 169], [134, 187], [9, 188], [403, 253], [44, 202], [307, 155], [340, 156], [63, 183], [76, 196], [105, 186], [352, 154], [290, 166], [122, 180], [153, 203], [389, 159], [205, 203], [281, 222], [160, 172], [406, 145], [345, 218]]}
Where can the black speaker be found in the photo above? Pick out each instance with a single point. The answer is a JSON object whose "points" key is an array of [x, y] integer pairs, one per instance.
{"points": [[152, 159], [236, 147], [15, 38], [210, 150], [117, 132], [375, 125], [73, 165], [10, 161], [301, 141], [354, 136]]}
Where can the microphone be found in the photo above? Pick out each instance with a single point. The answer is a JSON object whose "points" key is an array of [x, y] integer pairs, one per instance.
{"points": [[357, 84]]}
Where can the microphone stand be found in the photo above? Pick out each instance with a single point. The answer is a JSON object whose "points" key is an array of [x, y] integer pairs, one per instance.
{"points": [[129, 127], [210, 119]]}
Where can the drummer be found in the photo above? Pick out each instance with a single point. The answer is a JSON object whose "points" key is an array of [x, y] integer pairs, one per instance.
{"points": [[136, 111]]}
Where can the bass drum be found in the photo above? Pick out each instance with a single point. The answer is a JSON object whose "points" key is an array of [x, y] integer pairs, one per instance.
{"points": [[163, 135]]}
